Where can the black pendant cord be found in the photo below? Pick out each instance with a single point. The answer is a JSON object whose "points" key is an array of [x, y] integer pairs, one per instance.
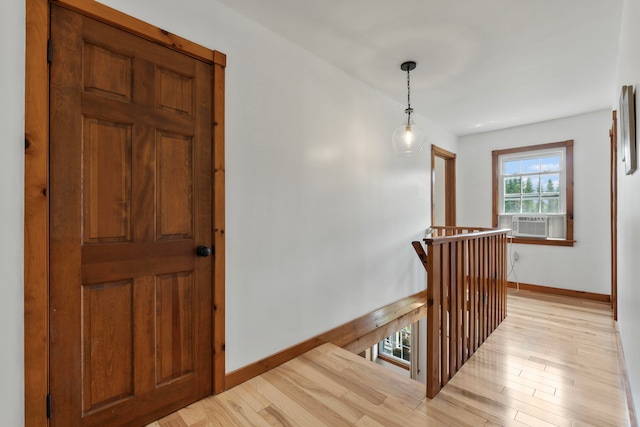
{"points": [[409, 109], [408, 66]]}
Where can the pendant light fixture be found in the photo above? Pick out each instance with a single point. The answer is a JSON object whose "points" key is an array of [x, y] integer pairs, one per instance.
{"points": [[408, 139]]}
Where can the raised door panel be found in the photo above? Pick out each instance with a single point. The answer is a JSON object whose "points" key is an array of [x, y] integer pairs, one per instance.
{"points": [[106, 72], [175, 92], [175, 317], [107, 321], [106, 165], [174, 186]]}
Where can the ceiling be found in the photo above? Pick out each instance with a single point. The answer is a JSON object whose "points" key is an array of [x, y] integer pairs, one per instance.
{"points": [[482, 64]]}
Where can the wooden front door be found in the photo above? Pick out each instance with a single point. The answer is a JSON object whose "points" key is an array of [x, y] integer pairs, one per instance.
{"points": [[130, 201]]}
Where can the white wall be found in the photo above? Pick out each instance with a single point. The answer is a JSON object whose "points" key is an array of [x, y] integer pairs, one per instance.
{"points": [[584, 267], [12, 15], [629, 207], [320, 212]]}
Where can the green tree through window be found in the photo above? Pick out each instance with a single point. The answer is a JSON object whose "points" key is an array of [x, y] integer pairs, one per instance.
{"points": [[550, 187], [524, 188]]}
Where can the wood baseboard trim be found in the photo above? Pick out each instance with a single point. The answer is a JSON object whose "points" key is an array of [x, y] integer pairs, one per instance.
{"points": [[558, 291], [354, 336], [633, 418]]}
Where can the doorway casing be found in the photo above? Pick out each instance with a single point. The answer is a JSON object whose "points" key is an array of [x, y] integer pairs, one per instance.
{"points": [[449, 158]]}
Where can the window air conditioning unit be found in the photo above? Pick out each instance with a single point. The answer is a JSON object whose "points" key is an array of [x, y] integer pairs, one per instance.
{"points": [[530, 226]]}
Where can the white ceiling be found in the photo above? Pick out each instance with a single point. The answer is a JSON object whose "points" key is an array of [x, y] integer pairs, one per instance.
{"points": [[482, 64]]}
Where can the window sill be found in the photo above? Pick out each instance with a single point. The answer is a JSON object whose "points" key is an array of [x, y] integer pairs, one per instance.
{"points": [[548, 242], [393, 361]]}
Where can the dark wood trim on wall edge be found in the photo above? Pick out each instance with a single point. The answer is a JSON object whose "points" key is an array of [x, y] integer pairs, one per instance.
{"points": [[559, 291], [398, 314], [534, 241], [36, 215]]}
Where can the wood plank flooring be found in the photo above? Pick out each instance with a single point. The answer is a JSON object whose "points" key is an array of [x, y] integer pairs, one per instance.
{"points": [[552, 362]]}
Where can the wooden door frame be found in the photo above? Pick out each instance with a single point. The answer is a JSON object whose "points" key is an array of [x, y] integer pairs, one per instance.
{"points": [[613, 137], [36, 202], [449, 184]]}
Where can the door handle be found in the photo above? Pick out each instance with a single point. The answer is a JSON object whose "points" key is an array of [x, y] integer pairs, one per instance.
{"points": [[203, 251]]}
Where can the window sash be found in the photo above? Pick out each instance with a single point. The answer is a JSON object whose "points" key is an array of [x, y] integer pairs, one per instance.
{"points": [[532, 202], [397, 346]]}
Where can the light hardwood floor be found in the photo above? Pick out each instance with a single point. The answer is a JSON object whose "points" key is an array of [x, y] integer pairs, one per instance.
{"points": [[552, 362]]}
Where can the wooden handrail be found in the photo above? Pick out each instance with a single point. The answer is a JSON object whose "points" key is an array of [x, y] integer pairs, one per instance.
{"points": [[460, 229], [421, 253], [448, 230], [476, 234], [466, 295]]}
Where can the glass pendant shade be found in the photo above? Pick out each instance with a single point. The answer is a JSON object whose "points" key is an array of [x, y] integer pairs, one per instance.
{"points": [[408, 139]]}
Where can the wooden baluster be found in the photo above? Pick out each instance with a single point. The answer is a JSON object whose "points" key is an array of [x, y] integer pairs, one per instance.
{"points": [[503, 269], [457, 285], [464, 305], [492, 284], [485, 287], [473, 301], [433, 320], [460, 279], [480, 305], [499, 279], [444, 314], [489, 288], [453, 308]]}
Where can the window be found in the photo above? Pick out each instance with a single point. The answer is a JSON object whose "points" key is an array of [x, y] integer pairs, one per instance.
{"points": [[396, 348], [535, 183], [532, 182]]}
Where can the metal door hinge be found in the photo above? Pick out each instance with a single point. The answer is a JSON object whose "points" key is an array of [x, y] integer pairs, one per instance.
{"points": [[48, 406], [49, 51]]}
